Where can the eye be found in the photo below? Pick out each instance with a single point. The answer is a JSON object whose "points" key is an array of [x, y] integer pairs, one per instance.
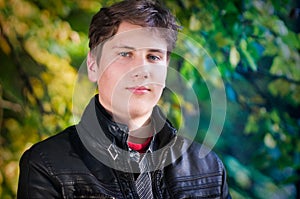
{"points": [[125, 54], [154, 58]]}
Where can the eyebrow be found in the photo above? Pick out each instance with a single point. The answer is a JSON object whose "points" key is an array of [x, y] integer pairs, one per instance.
{"points": [[126, 47], [133, 48]]}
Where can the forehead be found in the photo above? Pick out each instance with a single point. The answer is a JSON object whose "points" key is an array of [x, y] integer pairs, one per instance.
{"points": [[138, 37]]}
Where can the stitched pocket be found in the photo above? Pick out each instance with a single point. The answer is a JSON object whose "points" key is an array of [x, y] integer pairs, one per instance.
{"points": [[96, 196], [205, 186], [85, 191]]}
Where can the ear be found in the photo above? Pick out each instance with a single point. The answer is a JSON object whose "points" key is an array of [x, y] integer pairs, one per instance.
{"points": [[92, 68]]}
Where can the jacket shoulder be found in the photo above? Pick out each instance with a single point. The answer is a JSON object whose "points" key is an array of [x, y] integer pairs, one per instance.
{"points": [[198, 172], [206, 157], [55, 143], [197, 158], [55, 149]]}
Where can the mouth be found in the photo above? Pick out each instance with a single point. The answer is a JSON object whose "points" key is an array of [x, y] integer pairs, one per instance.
{"points": [[139, 89]]}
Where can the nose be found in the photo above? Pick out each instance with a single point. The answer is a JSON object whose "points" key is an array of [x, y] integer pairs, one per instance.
{"points": [[140, 68], [140, 74], [139, 59]]}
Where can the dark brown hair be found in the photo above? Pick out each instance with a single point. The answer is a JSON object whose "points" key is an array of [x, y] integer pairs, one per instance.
{"points": [[146, 13]]}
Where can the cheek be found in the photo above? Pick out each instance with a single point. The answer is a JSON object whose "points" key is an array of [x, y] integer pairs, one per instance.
{"points": [[159, 89], [105, 80], [111, 81], [159, 75]]}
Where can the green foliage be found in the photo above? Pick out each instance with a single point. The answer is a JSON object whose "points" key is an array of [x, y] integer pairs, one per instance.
{"points": [[255, 46]]}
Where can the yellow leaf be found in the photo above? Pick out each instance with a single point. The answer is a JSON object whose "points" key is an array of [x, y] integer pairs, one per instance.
{"points": [[2, 5], [195, 23], [269, 141], [220, 40], [234, 56], [4, 45], [37, 87]]}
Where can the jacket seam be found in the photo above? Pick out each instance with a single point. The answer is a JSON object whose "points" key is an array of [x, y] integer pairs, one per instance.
{"points": [[51, 172]]}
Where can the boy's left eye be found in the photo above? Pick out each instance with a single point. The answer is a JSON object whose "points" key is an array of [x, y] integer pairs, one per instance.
{"points": [[154, 58]]}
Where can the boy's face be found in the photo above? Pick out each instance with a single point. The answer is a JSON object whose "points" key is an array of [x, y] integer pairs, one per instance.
{"points": [[132, 71]]}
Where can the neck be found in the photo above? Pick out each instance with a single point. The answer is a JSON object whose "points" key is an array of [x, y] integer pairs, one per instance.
{"points": [[141, 134], [139, 128], [139, 125]]}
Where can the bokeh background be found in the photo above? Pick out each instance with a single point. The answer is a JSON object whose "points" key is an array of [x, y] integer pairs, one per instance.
{"points": [[255, 45]]}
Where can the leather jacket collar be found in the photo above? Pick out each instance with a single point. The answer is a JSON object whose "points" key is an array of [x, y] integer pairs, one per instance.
{"points": [[118, 132], [106, 140], [115, 132]]}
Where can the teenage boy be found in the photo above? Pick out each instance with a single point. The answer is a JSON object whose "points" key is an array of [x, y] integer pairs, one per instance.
{"points": [[123, 146]]}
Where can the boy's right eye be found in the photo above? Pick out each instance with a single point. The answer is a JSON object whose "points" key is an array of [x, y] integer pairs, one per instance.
{"points": [[124, 54]]}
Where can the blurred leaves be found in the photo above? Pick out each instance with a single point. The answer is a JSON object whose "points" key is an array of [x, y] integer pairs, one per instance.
{"points": [[252, 47]]}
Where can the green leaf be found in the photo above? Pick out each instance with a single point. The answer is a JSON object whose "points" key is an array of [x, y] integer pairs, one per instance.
{"points": [[249, 59]]}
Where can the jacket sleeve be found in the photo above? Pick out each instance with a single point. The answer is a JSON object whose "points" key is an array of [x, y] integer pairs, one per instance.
{"points": [[225, 189], [35, 179]]}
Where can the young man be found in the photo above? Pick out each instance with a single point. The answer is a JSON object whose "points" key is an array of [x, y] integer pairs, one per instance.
{"points": [[123, 146]]}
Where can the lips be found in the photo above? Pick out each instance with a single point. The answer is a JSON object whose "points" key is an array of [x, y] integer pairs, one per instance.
{"points": [[139, 89]]}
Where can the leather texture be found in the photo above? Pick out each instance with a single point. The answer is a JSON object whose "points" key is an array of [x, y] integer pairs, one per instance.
{"points": [[62, 166]]}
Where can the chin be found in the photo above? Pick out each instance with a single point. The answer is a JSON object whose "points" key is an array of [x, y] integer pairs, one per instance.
{"points": [[139, 110]]}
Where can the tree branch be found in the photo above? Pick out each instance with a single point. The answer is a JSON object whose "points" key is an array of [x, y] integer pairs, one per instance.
{"points": [[22, 73], [283, 77], [271, 101]]}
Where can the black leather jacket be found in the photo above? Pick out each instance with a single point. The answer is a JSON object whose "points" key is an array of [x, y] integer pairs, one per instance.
{"points": [[75, 164]]}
